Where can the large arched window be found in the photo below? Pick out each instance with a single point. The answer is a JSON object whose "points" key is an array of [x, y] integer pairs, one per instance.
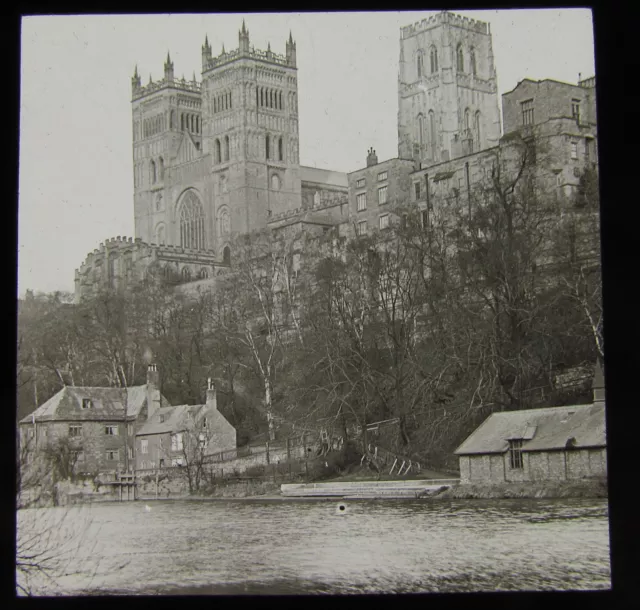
{"points": [[226, 255], [420, 67], [267, 149], [191, 222], [434, 59], [459, 58], [226, 148], [280, 149], [218, 155], [421, 129]]}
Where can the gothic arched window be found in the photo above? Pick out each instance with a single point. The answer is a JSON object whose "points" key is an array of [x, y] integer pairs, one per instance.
{"points": [[261, 96], [186, 274], [154, 174], [161, 162], [432, 133], [275, 182], [280, 100], [172, 119], [421, 129], [218, 155], [191, 222], [226, 148], [224, 224], [257, 98], [280, 149], [472, 59], [419, 65], [160, 234], [204, 274], [226, 255], [467, 124], [477, 127], [459, 58], [434, 59], [267, 150]]}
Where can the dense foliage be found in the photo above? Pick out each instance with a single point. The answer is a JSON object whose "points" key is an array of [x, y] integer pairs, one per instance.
{"points": [[450, 315]]}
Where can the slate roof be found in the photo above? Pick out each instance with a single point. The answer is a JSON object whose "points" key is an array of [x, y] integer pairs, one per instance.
{"points": [[175, 419], [107, 404], [540, 430]]}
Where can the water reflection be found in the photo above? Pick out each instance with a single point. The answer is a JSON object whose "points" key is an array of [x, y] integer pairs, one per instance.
{"points": [[235, 547]]}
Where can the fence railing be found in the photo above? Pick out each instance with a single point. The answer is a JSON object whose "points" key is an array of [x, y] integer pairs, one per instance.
{"points": [[287, 445]]}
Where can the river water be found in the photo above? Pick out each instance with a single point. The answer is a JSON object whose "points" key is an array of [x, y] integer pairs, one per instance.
{"points": [[288, 547]]}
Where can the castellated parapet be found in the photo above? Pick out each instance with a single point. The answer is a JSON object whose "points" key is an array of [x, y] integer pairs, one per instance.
{"points": [[473, 25]]}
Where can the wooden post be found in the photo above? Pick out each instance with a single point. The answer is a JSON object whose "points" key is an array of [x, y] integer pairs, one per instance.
{"points": [[156, 484], [267, 447]]}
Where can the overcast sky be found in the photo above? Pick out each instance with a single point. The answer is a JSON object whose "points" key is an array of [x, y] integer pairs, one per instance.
{"points": [[76, 180]]}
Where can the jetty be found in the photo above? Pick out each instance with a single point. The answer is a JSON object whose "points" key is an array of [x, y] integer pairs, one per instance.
{"points": [[364, 490]]}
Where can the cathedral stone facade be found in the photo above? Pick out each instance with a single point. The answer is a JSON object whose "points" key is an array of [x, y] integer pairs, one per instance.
{"points": [[220, 158]]}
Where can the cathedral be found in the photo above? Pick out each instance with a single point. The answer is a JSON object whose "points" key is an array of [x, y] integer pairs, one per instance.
{"points": [[219, 157]]}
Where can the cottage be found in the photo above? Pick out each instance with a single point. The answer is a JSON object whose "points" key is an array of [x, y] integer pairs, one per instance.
{"points": [[555, 443], [173, 436], [99, 424]]}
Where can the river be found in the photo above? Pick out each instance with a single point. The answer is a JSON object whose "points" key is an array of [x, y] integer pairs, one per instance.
{"points": [[289, 547]]}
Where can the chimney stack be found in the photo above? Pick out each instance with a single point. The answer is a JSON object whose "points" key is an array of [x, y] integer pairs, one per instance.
{"points": [[372, 158], [212, 399], [153, 391], [598, 385]]}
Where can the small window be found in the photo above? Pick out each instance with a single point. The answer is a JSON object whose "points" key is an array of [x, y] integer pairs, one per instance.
{"points": [[204, 422], [113, 454], [176, 442], [177, 462], [75, 430], [459, 58], [575, 109], [416, 186], [161, 464], [130, 453], [111, 430], [382, 195], [360, 183], [361, 200], [87, 403], [384, 221], [574, 150], [527, 112], [515, 454], [144, 446], [361, 228], [382, 176], [202, 440], [425, 218]]}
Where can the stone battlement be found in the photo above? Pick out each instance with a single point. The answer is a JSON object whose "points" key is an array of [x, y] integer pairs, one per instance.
{"points": [[268, 56], [182, 84], [445, 17]]}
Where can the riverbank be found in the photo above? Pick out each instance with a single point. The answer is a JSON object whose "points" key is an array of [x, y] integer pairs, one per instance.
{"points": [[594, 488]]}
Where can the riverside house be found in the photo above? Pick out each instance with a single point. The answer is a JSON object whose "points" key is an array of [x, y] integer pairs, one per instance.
{"points": [[550, 444], [100, 424], [173, 435]]}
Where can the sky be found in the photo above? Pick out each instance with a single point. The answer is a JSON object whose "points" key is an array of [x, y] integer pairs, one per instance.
{"points": [[76, 178]]}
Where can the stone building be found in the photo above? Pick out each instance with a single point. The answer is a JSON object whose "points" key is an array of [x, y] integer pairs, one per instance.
{"points": [[173, 435], [554, 443], [100, 423], [220, 158]]}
